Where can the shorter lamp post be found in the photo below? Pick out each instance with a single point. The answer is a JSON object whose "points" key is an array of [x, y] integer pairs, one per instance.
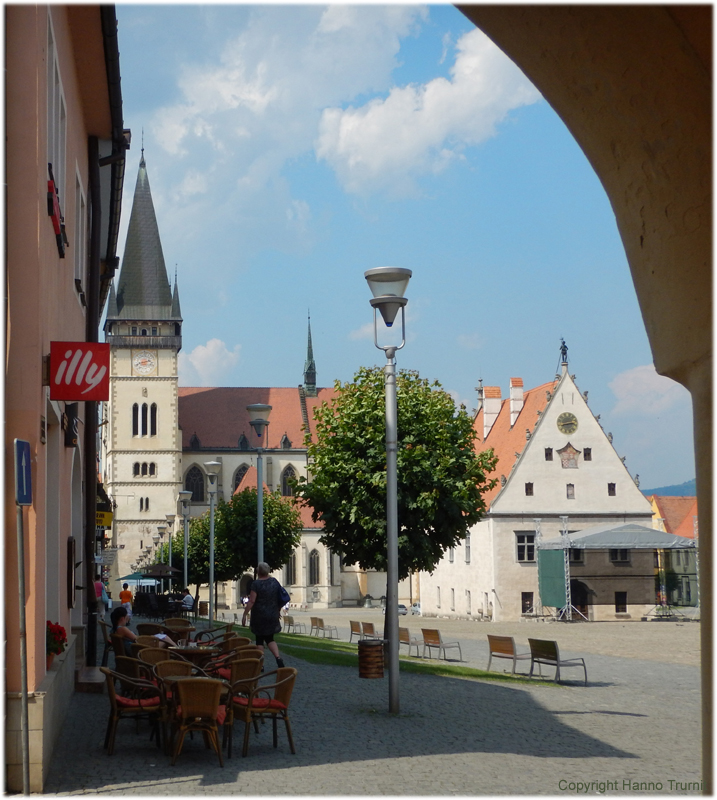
{"points": [[170, 528], [162, 528], [184, 498], [259, 420], [388, 285], [212, 468]]}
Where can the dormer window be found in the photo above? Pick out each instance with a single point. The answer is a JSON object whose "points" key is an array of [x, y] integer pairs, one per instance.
{"points": [[285, 442], [243, 443], [194, 443]]}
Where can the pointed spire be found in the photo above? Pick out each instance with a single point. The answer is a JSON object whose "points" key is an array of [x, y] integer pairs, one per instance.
{"points": [[310, 367], [143, 291]]}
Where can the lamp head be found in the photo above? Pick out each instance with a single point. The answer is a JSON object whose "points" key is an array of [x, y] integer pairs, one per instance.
{"points": [[170, 520], [162, 528], [259, 417], [212, 468], [388, 285]]}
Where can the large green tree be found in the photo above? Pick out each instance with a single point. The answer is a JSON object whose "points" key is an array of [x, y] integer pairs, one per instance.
{"points": [[235, 532], [441, 478]]}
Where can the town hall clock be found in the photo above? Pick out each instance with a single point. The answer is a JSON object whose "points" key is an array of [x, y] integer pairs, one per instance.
{"points": [[567, 422], [144, 362]]}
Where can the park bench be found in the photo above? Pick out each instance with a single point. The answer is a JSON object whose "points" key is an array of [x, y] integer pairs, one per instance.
{"points": [[355, 630], [432, 638], [369, 632], [543, 651], [504, 647], [318, 625], [404, 637], [291, 626]]}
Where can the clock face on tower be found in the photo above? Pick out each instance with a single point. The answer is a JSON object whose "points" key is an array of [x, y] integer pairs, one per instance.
{"points": [[144, 362], [567, 422]]}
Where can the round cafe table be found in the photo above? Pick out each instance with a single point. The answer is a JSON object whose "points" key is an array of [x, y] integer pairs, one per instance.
{"points": [[197, 655]]}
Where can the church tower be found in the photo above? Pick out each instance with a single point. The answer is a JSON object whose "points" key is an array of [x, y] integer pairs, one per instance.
{"points": [[141, 443], [310, 368]]}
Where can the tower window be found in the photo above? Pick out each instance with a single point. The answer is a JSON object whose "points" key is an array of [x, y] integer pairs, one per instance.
{"points": [[144, 331], [154, 331], [141, 503], [144, 419], [153, 420], [194, 483], [135, 468], [528, 489], [144, 469], [288, 474], [135, 420], [146, 503], [134, 330], [152, 469], [611, 490], [548, 453]]}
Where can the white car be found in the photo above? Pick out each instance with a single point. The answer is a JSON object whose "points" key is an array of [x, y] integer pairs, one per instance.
{"points": [[402, 610], [416, 609]]}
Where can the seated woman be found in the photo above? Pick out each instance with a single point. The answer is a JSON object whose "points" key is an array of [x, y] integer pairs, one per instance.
{"points": [[119, 619]]}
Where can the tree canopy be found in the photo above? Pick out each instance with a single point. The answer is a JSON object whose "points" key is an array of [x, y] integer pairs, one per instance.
{"points": [[441, 478], [235, 532]]}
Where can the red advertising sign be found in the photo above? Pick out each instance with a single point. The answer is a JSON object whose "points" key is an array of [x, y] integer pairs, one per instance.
{"points": [[79, 371]]}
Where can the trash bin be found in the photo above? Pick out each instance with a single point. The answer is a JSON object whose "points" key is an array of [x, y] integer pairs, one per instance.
{"points": [[370, 654], [203, 608]]}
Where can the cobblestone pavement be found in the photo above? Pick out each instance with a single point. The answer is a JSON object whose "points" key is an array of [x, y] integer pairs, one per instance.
{"points": [[637, 722]]}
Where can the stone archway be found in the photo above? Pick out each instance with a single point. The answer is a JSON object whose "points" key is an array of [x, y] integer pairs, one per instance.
{"points": [[633, 84]]}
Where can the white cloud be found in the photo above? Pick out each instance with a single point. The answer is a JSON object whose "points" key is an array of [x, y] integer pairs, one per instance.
{"points": [[208, 364], [364, 332], [387, 143], [471, 341], [642, 391]]}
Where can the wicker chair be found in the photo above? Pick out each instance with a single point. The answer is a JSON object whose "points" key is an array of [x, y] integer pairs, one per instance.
{"points": [[153, 655], [148, 628], [251, 701], [148, 641], [233, 643], [223, 670], [198, 709], [212, 635], [139, 698], [133, 668], [105, 628], [243, 675]]}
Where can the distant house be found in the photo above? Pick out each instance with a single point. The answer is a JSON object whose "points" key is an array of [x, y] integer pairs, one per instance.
{"points": [[678, 515], [556, 468]]}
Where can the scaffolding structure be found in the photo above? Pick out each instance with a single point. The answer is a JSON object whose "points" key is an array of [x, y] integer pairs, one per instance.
{"points": [[566, 612]]}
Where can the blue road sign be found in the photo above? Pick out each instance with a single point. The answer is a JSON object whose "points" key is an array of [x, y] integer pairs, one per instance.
{"points": [[23, 477]]}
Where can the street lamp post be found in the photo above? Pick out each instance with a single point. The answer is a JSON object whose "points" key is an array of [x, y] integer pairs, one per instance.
{"points": [[162, 528], [184, 497], [388, 285], [170, 527], [212, 468], [259, 420]]}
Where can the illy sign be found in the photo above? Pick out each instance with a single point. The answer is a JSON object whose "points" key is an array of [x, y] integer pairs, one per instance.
{"points": [[79, 371]]}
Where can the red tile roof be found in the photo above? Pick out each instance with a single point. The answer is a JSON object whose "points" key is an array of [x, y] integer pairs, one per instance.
{"points": [[678, 513], [505, 440], [218, 416], [250, 481]]}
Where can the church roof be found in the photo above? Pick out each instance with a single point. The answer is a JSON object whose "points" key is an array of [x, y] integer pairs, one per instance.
{"points": [[218, 416], [143, 291], [250, 480], [507, 440]]}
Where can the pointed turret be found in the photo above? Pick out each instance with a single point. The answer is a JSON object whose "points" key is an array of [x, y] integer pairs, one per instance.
{"points": [[176, 311], [310, 368]]}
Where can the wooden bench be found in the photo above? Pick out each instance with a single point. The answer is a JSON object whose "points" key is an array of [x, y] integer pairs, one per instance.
{"points": [[318, 625], [543, 651], [432, 638], [369, 632], [404, 637], [504, 647], [355, 630]]}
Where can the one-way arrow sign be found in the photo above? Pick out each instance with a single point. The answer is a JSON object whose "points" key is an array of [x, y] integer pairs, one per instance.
{"points": [[23, 476]]}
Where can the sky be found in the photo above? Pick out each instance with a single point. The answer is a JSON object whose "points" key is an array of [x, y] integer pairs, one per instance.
{"points": [[291, 148]]}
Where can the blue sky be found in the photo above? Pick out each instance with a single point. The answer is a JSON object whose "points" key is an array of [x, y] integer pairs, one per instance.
{"points": [[291, 148]]}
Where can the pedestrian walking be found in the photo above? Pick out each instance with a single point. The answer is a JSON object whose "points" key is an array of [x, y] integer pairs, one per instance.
{"points": [[126, 599], [265, 603]]}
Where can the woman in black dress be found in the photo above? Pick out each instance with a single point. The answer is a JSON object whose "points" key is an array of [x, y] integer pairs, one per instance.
{"points": [[265, 606]]}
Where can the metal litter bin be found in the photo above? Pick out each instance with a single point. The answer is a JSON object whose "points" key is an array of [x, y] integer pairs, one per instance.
{"points": [[370, 655]]}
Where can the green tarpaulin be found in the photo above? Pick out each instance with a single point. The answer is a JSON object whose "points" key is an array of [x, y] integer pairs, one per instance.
{"points": [[551, 578]]}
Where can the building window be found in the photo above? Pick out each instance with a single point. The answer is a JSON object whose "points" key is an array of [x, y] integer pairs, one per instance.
{"points": [[526, 602], [526, 546], [588, 454], [287, 490], [56, 117], [194, 483], [135, 468], [152, 470], [468, 602], [285, 443], [146, 503], [438, 596], [611, 490], [313, 568], [576, 555], [239, 475], [144, 469], [548, 453], [153, 420], [144, 331], [468, 548], [80, 235], [135, 420], [621, 602], [528, 489], [144, 419], [291, 571], [570, 491], [620, 556], [451, 553], [154, 331], [141, 503], [453, 599], [678, 558]]}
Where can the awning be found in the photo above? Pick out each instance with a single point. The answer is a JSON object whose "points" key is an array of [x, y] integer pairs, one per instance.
{"points": [[624, 537]]}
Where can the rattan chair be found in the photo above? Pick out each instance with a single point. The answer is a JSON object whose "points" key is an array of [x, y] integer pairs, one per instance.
{"points": [[243, 675], [105, 628], [135, 649], [223, 670], [198, 709], [138, 698], [252, 700], [233, 643], [153, 655], [133, 668], [148, 641], [148, 628]]}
